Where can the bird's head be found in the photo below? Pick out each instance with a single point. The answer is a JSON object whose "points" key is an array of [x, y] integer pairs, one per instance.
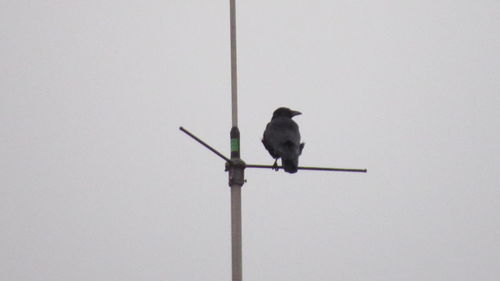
{"points": [[285, 112]]}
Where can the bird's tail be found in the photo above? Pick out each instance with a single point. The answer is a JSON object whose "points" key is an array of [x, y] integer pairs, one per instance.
{"points": [[290, 157], [290, 165]]}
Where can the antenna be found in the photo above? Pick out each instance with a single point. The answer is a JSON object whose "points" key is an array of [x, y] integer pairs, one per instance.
{"points": [[234, 165]]}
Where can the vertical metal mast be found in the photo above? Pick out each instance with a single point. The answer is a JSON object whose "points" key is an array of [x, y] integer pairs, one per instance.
{"points": [[235, 166], [234, 80]]}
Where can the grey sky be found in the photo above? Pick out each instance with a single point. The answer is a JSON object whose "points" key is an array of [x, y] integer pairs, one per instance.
{"points": [[98, 183]]}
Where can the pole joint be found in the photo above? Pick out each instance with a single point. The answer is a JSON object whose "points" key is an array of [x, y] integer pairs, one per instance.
{"points": [[236, 168], [235, 165]]}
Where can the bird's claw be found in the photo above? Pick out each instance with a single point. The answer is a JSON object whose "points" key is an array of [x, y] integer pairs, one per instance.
{"points": [[275, 166]]}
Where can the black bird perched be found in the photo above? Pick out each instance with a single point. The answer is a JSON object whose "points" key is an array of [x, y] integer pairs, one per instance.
{"points": [[282, 139]]}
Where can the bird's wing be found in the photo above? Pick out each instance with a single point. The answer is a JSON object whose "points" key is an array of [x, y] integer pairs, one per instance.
{"points": [[268, 140]]}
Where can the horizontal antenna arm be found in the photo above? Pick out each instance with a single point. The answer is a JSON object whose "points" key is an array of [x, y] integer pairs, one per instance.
{"points": [[309, 168], [204, 144]]}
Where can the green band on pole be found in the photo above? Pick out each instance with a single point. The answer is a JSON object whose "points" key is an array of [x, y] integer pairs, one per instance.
{"points": [[235, 145]]}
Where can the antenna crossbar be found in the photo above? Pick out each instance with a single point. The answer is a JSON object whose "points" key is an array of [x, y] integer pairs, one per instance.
{"points": [[308, 168], [204, 144]]}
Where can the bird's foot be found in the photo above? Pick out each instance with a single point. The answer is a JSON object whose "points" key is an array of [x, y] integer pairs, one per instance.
{"points": [[275, 165]]}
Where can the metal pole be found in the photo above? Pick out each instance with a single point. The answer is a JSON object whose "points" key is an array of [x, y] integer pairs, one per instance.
{"points": [[236, 180], [234, 80], [236, 233], [236, 165]]}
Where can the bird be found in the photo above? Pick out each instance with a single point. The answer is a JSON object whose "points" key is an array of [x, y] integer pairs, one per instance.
{"points": [[282, 139]]}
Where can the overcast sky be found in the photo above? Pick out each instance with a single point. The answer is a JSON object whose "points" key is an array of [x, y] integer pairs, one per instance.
{"points": [[97, 182]]}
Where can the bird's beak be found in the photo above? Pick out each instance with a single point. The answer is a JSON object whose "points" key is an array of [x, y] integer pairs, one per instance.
{"points": [[295, 113]]}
